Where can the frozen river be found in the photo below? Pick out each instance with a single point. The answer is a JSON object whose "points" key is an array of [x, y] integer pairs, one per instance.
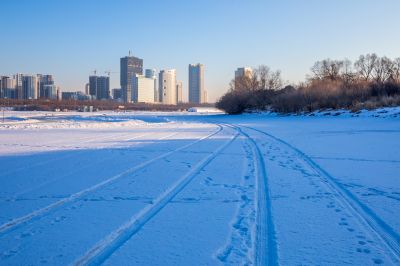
{"points": [[181, 189]]}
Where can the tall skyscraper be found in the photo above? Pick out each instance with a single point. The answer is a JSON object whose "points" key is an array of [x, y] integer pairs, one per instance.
{"points": [[99, 87], [179, 96], [92, 86], [103, 88], [42, 81], [167, 86], [130, 66], [29, 87], [18, 85], [152, 73], [142, 89], [196, 83]]}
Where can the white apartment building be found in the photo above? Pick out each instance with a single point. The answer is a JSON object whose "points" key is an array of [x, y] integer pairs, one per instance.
{"points": [[167, 86], [142, 89], [152, 73]]}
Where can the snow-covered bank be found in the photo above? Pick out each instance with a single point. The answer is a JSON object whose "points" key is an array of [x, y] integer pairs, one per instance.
{"points": [[199, 189]]}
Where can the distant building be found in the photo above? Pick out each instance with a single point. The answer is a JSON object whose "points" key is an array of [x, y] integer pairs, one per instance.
{"points": [[130, 66], [99, 87], [49, 92], [44, 80], [29, 87], [59, 94], [196, 83], [103, 88], [87, 90], [179, 96], [18, 85], [92, 86], [152, 73], [167, 86], [241, 74], [7, 88], [75, 95], [117, 94], [142, 89]]}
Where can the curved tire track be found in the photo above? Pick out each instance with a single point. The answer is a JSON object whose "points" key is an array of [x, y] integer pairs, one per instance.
{"points": [[266, 249], [365, 215]]}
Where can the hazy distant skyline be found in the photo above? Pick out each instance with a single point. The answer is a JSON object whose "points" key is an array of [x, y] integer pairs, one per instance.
{"points": [[70, 39]]}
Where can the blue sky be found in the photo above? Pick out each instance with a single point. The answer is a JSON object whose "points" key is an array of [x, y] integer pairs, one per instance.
{"points": [[71, 38]]}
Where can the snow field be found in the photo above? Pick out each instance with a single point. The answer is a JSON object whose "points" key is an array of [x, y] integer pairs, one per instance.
{"points": [[173, 189]]}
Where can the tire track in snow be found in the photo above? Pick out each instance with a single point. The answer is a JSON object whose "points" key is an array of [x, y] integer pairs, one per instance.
{"points": [[266, 252], [42, 211], [112, 242], [365, 215], [239, 247]]}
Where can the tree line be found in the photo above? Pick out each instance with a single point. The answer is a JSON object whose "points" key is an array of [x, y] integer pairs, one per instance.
{"points": [[370, 82]]}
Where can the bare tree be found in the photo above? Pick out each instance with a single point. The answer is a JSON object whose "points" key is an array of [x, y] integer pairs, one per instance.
{"points": [[347, 73], [275, 80], [327, 69], [263, 73], [365, 65], [383, 69], [396, 69]]}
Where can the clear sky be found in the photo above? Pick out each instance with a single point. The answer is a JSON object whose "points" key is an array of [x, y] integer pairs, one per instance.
{"points": [[71, 38]]}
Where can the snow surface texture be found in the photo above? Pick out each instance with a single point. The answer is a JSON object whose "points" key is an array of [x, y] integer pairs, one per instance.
{"points": [[193, 189]]}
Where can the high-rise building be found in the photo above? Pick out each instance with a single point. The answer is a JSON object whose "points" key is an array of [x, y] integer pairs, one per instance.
{"points": [[18, 85], [7, 88], [130, 66], [196, 83], [99, 87], [179, 97], [44, 80], [103, 88], [142, 89], [29, 87], [167, 86], [152, 73], [92, 86], [49, 91]]}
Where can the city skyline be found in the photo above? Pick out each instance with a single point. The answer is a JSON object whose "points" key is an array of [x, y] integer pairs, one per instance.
{"points": [[286, 35]]}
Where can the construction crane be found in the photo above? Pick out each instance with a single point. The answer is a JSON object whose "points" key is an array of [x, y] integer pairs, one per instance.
{"points": [[94, 72]]}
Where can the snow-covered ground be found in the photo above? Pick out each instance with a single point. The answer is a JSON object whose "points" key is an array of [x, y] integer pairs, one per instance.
{"points": [[188, 188]]}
